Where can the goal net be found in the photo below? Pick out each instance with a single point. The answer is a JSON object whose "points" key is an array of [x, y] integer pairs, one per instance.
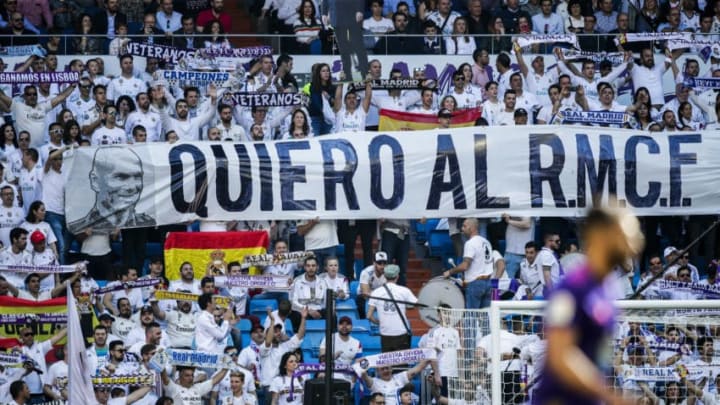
{"points": [[502, 352]]}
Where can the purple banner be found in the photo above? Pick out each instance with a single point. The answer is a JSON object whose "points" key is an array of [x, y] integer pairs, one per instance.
{"points": [[39, 77], [14, 319]]}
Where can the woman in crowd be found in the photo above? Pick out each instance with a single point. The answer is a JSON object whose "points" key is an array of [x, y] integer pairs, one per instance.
{"points": [[64, 116], [499, 42], [448, 102], [9, 144], [71, 133], [460, 42], [125, 106], [299, 126], [467, 71], [575, 21], [642, 95], [35, 221], [280, 386], [685, 119], [642, 117], [216, 35], [86, 43], [321, 90], [307, 29]]}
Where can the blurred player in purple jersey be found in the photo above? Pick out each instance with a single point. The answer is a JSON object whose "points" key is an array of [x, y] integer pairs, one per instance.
{"points": [[581, 315]]}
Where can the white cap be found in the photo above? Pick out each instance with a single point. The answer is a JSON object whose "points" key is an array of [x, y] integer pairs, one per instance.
{"points": [[380, 257], [669, 250]]}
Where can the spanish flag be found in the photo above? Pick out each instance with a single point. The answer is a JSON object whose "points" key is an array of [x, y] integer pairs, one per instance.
{"points": [[11, 307], [406, 121], [196, 247]]}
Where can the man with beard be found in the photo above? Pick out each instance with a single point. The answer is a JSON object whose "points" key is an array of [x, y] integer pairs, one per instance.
{"points": [[187, 282], [180, 323], [153, 335], [126, 83], [649, 75], [227, 126], [546, 258], [347, 348], [117, 362], [186, 127], [143, 116], [123, 323], [308, 293], [249, 358], [108, 133]]}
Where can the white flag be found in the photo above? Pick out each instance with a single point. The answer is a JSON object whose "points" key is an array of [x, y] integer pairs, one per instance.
{"points": [[80, 385]]}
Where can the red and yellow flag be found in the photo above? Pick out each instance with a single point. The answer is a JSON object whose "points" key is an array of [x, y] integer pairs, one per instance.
{"points": [[12, 308], [195, 247], [406, 121]]}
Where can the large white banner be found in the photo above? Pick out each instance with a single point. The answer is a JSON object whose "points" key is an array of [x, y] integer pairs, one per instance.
{"points": [[478, 171]]}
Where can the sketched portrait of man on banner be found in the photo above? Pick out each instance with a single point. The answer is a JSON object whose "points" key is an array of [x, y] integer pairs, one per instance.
{"points": [[116, 176]]}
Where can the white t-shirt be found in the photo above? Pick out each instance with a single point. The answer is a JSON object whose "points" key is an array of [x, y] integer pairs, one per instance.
{"points": [[378, 27], [41, 226], [281, 386], [180, 328], [31, 119], [390, 388], [350, 349], [368, 276], [59, 369], [447, 342], [508, 341], [546, 258], [188, 396], [224, 391], [9, 219], [53, 192], [391, 324], [31, 185], [531, 276], [322, 235], [108, 136], [516, 237], [8, 257], [479, 250], [350, 121]]}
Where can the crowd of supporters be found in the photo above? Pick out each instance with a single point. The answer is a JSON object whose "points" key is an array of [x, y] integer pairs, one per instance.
{"points": [[44, 122]]}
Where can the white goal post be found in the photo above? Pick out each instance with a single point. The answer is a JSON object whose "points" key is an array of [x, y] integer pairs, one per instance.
{"points": [[694, 318]]}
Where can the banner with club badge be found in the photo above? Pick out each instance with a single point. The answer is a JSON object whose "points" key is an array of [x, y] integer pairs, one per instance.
{"points": [[393, 358]]}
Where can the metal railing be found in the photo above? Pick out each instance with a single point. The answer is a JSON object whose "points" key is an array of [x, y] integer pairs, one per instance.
{"points": [[285, 43]]}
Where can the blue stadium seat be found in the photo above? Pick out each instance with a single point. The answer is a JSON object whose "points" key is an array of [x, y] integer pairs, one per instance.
{"points": [[353, 289], [349, 312], [245, 325], [414, 340], [314, 325], [359, 267], [340, 250], [361, 327], [289, 328], [346, 304], [370, 344], [440, 244], [258, 307], [153, 249]]}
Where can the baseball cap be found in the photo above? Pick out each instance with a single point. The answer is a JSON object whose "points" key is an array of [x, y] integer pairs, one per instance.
{"points": [[392, 271], [37, 237], [444, 113], [146, 308], [669, 250], [105, 315], [380, 257], [520, 111], [345, 319]]}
